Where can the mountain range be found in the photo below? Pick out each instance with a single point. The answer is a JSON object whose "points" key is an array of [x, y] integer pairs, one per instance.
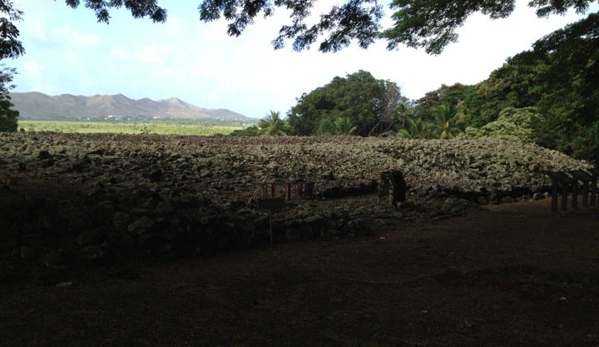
{"points": [[39, 106]]}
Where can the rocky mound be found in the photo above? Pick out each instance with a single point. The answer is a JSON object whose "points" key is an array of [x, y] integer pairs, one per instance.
{"points": [[72, 201]]}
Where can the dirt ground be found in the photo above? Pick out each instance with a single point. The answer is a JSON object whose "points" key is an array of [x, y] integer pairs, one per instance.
{"points": [[505, 275]]}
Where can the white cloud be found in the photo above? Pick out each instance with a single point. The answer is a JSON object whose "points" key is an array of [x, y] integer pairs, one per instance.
{"points": [[120, 53], [147, 54], [174, 26], [32, 69], [36, 29], [33, 75], [70, 36], [151, 54]]}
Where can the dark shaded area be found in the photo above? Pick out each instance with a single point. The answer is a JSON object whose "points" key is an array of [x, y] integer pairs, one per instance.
{"points": [[507, 275]]}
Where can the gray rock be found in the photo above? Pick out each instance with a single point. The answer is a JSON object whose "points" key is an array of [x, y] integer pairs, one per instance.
{"points": [[27, 202], [150, 241], [91, 237], [298, 232], [103, 212], [537, 196], [27, 253], [141, 226], [120, 239], [95, 254], [121, 220], [53, 259]]}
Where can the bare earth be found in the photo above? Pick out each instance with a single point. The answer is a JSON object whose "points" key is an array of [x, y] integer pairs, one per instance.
{"points": [[505, 275]]}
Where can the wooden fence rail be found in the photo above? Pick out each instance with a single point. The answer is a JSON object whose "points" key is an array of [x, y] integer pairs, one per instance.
{"points": [[569, 181]]}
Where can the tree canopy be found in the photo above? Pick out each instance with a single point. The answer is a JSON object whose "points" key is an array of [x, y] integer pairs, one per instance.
{"points": [[272, 125], [559, 76], [8, 116], [430, 24], [10, 46], [359, 102], [515, 124]]}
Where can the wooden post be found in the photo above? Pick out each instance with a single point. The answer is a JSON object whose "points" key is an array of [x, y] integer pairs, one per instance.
{"points": [[271, 205], [554, 194], [594, 174], [585, 194], [309, 189], [561, 178], [585, 178], [575, 195], [564, 197], [299, 188]]}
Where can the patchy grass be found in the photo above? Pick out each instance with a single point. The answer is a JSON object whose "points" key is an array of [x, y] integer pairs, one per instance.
{"points": [[159, 128]]}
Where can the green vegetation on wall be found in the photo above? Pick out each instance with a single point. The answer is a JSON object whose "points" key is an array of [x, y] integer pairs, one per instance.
{"points": [[515, 124]]}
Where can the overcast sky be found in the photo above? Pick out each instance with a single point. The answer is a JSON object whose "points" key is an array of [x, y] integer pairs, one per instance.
{"points": [[67, 51]]}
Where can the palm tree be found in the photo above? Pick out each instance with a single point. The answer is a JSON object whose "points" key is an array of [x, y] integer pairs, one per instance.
{"points": [[445, 121], [272, 125], [326, 127], [415, 128], [343, 126]]}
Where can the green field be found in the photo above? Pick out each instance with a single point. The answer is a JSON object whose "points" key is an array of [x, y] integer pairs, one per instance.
{"points": [[161, 128]]}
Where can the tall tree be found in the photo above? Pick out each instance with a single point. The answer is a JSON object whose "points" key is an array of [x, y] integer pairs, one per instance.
{"points": [[344, 126], [340, 126], [365, 101], [560, 78], [453, 96], [387, 107], [10, 47], [8, 115], [445, 123], [416, 128]]}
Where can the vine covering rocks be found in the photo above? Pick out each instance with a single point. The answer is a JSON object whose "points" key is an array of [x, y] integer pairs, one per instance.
{"points": [[73, 201]]}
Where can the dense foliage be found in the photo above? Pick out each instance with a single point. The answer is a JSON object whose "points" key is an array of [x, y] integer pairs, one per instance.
{"points": [[357, 104], [560, 78], [548, 95], [516, 124], [10, 47], [431, 24], [249, 131], [416, 23], [272, 125], [8, 115]]}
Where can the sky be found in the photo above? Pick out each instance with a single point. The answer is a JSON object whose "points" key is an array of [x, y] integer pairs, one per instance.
{"points": [[68, 52]]}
